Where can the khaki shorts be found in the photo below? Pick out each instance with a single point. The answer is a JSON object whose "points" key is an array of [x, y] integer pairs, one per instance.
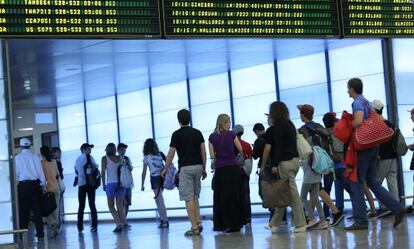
{"points": [[189, 185]]}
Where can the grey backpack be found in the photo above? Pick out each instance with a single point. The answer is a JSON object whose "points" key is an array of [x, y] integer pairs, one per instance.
{"points": [[399, 144]]}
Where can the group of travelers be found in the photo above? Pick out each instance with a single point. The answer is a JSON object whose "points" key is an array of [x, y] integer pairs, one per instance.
{"points": [[231, 157], [36, 175]]}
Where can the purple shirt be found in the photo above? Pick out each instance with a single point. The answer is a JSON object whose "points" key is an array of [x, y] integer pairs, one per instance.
{"points": [[224, 148]]}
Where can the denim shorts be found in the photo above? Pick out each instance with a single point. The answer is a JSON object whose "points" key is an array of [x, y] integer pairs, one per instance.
{"points": [[114, 189]]}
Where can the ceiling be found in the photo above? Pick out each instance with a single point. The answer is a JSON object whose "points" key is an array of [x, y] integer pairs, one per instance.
{"points": [[56, 72]]}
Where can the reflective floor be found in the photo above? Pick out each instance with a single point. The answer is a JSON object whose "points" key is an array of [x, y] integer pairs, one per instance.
{"points": [[146, 235]]}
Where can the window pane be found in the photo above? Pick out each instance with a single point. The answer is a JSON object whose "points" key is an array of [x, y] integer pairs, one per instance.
{"points": [[404, 74], [101, 110], [2, 101], [71, 116], [101, 118], [302, 71], [215, 85], [135, 126], [253, 90], [253, 80], [4, 148], [355, 61], [204, 116], [170, 97], [302, 80], [138, 98], [67, 141]]}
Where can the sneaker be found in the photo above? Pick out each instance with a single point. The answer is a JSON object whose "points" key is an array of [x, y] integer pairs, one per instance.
{"points": [[356, 227], [301, 229], [399, 217], [410, 209], [337, 218], [94, 229], [192, 232], [383, 213], [128, 226], [272, 228], [117, 229], [322, 225], [200, 226], [312, 223]]}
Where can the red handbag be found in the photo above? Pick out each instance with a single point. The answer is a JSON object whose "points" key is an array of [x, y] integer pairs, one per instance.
{"points": [[372, 132], [343, 128]]}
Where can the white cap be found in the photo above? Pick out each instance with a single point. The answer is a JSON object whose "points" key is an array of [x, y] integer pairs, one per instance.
{"points": [[377, 104], [25, 142]]}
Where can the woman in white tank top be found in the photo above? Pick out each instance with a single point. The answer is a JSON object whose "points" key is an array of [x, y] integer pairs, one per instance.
{"points": [[112, 187]]}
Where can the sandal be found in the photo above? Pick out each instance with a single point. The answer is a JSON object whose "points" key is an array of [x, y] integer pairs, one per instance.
{"points": [[192, 232], [200, 226]]}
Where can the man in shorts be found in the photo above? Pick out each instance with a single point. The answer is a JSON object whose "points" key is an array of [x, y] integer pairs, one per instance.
{"points": [[189, 144]]}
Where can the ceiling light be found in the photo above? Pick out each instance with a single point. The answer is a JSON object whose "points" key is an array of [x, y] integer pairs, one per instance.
{"points": [[19, 117], [26, 129]]}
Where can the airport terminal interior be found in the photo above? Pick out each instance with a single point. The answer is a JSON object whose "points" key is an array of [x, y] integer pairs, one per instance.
{"points": [[67, 92]]}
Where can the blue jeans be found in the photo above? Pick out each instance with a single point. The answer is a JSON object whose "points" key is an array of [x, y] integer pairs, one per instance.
{"points": [[367, 171], [341, 183]]}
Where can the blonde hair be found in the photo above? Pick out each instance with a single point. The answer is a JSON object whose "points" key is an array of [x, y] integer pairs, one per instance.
{"points": [[222, 119]]}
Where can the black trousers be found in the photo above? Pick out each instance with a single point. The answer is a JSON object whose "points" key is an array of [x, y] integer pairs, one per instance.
{"points": [[30, 198], [82, 192]]}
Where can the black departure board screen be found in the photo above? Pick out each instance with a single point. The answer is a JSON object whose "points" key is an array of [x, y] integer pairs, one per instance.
{"points": [[251, 18], [79, 18], [378, 18]]}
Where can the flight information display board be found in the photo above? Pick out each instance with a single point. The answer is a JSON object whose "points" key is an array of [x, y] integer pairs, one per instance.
{"points": [[79, 18], [251, 18], [378, 18]]}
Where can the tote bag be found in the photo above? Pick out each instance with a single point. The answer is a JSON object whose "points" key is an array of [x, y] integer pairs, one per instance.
{"points": [[304, 148], [275, 193], [372, 132]]}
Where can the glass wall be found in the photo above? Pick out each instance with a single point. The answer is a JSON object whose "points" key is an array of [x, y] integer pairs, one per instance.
{"points": [[404, 75], [72, 133], [152, 111], [6, 222]]}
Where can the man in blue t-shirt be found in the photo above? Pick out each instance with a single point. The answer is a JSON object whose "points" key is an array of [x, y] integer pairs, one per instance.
{"points": [[367, 167]]}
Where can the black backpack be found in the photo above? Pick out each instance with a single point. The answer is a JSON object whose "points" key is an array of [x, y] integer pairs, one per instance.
{"points": [[317, 136], [92, 174]]}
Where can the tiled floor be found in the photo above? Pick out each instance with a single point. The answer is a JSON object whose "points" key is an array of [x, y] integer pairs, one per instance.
{"points": [[146, 235]]}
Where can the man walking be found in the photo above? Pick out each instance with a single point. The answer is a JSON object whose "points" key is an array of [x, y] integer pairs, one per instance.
{"points": [[189, 145], [367, 167], [31, 183]]}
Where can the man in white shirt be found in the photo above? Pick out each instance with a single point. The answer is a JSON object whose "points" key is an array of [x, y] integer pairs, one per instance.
{"points": [[84, 188], [31, 182]]}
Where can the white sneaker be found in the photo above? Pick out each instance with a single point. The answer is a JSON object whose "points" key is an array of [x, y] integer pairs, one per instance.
{"points": [[322, 225], [271, 228], [301, 229], [312, 223]]}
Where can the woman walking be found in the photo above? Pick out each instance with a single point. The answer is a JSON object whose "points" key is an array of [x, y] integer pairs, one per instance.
{"points": [[51, 173], [112, 187], [154, 160]]}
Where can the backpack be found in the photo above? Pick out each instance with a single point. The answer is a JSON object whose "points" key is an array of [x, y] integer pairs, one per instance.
{"points": [[92, 174], [125, 178], [317, 136], [322, 162], [398, 144], [170, 175], [336, 147]]}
